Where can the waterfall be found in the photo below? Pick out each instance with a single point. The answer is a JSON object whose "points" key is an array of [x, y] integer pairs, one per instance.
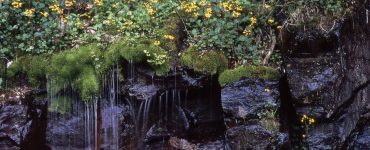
{"points": [[72, 122], [110, 111]]}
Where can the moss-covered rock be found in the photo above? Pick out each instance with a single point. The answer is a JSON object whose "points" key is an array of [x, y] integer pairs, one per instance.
{"points": [[79, 67], [88, 83], [34, 67], [261, 72], [208, 62]]}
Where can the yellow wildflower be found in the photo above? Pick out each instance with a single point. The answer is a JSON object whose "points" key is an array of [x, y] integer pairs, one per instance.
{"points": [[128, 24], [236, 14], [239, 8], [69, 3], [247, 32], [170, 37], [270, 21], [63, 19], [157, 43], [154, 1], [98, 2], [208, 13], [266, 6], [45, 14], [279, 27], [17, 4], [189, 7], [202, 3], [115, 5], [226, 6], [150, 10], [304, 135], [55, 8], [253, 20], [29, 12]]}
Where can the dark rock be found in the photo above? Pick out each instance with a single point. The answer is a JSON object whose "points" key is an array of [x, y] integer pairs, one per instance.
{"points": [[248, 99], [249, 107], [22, 126], [181, 144], [157, 133], [332, 85], [251, 136]]}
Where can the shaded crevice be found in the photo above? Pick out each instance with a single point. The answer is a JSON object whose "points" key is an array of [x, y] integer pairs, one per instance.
{"points": [[289, 119]]}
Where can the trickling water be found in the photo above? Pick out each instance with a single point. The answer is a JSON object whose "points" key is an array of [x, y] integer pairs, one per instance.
{"points": [[72, 122], [110, 112]]}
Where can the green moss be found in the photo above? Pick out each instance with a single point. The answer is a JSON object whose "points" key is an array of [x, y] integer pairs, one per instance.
{"points": [[80, 67], [32, 66], [87, 83], [209, 62], [262, 72]]}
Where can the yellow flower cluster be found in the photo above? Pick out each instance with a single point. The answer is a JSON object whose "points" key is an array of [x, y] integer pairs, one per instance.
{"points": [[29, 12], [69, 3], [189, 7], [253, 21], [150, 10], [247, 32], [63, 19], [128, 24], [55, 8], [157, 43], [235, 9], [307, 119], [45, 14], [170, 37], [203, 3], [17, 4], [270, 21], [154, 1], [98, 2], [208, 13]]}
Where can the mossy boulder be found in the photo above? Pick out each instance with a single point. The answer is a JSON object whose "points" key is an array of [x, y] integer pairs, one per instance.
{"points": [[260, 72], [208, 62]]}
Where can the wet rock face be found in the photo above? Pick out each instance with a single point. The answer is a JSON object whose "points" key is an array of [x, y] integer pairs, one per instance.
{"points": [[248, 99], [182, 104], [333, 87], [249, 107], [314, 82], [22, 125]]}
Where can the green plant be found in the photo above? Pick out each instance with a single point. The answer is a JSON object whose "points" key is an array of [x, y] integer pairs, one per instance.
{"points": [[208, 62], [239, 28], [314, 13], [229, 76]]}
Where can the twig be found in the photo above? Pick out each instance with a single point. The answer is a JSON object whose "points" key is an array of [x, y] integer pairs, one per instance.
{"points": [[272, 47]]}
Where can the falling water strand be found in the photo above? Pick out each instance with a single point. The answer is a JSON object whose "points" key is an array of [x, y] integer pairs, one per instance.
{"points": [[166, 106]]}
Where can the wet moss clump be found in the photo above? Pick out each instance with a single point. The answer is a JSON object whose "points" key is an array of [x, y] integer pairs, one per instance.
{"points": [[208, 62], [34, 67], [79, 67], [139, 51], [260, 72]]}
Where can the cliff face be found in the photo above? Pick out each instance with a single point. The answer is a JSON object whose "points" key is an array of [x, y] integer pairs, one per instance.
{"points": [[331, 84]]}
